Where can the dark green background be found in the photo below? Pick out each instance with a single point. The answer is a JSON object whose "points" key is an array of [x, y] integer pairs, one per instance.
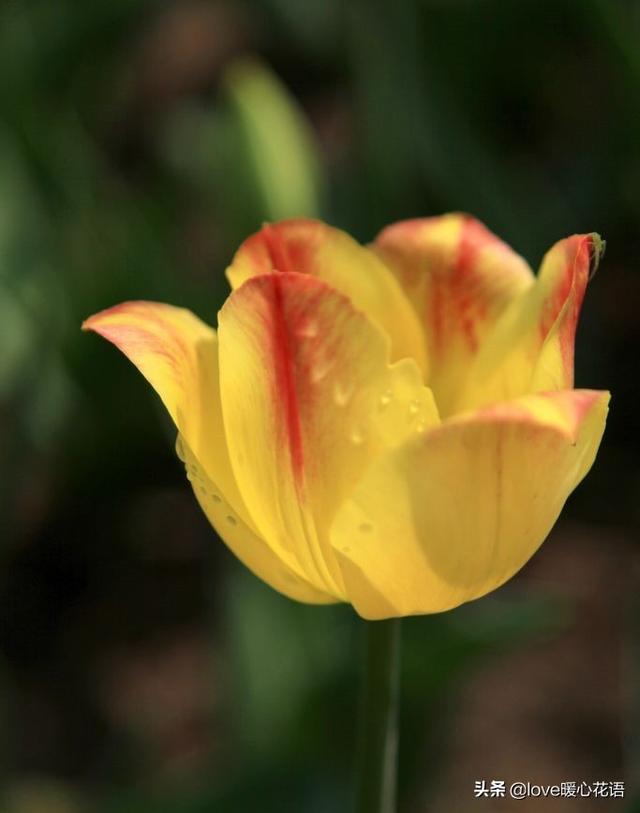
{"points": [[142, 670]]}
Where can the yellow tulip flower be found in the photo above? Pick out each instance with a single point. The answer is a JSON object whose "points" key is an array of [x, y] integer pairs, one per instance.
{"points": [[392, 426]]}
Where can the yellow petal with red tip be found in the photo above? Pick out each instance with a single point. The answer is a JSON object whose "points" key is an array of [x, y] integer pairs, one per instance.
{"points": [[309, 400], [451, 517], [460, 278], [312, 247], [565, 272], [532, 346], [178, 355]]}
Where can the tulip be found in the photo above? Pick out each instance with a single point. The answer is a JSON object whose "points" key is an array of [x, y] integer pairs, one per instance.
{"points": [[393, 426]]}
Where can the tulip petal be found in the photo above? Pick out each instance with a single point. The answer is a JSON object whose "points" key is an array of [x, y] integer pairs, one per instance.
{"points": [[532, 346], [460, 278], [567, 267], [452, 516], [312, 247], [309, 399], [178, 355]]}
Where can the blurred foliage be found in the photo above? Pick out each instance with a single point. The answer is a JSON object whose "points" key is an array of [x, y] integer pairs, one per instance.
{"points": [[274, 138], [140, 142]]}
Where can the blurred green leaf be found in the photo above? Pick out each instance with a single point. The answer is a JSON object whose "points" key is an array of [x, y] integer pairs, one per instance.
{"points": [[276, 140], [17, 341], [282, 652]]}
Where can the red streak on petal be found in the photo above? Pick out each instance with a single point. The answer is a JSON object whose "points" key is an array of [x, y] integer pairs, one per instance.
{"points": [[472, 238], [276, 248], [287, 246], [286, 395], [559, 296], [437, 303], [569, 292], [569, 325], [456, 304]]}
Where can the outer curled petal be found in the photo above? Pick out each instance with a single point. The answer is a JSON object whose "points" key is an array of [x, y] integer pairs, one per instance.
{"points": [[311, 247], [532, 346], [448, 518], [178, 355], [565, 272], [459, 277], [309, 400]]}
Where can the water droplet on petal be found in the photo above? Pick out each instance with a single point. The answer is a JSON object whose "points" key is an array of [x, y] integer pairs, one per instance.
{"points": [[357, 437], [342, 394], [232, 520], [421, 426], [320, 370], [307, 329], [385, 399], [216, 497], [365, 527], [414, 407]]}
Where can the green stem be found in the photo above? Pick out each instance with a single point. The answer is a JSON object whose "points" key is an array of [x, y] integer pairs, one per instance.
{"points": [[378, 735]]}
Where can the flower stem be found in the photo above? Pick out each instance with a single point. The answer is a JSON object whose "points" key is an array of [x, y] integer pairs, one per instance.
{"points": [[378, 734]]}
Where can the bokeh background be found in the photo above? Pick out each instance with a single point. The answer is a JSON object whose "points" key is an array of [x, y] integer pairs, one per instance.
{"points": [[142, 670]]}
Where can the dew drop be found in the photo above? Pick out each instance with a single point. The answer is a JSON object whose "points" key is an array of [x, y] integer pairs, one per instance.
{"points": [[385, 399], [414, 407], [320, 370], [307, 329], [365, 527], [342, 394], [216, 498], [421, 426], [357, 437], [232, 520]]}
